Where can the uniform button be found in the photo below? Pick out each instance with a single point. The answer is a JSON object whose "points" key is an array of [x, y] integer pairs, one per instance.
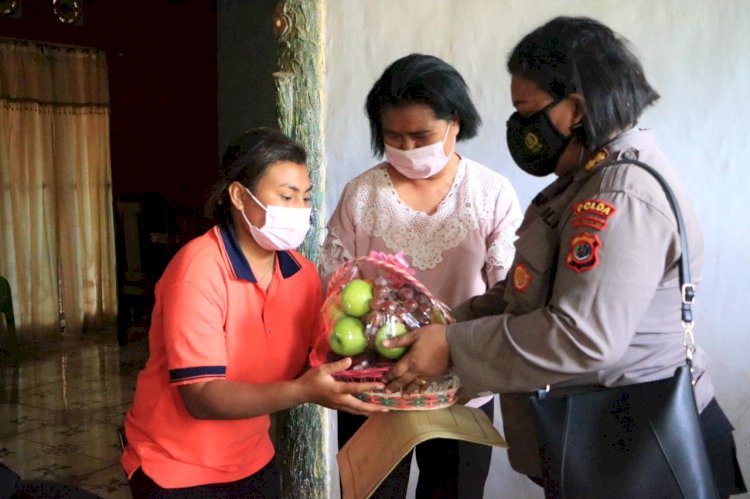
{"points": [[269, 330], [630, 153]]}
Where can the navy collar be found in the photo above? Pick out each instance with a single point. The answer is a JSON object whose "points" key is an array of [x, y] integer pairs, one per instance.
{"points": [[287, 262]]}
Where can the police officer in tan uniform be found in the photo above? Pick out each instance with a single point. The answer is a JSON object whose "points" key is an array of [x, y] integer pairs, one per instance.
{"points": [[592, 297]]}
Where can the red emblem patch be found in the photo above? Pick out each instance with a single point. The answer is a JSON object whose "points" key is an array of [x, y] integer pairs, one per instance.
{"points": [[583, 253], [521, 277]]}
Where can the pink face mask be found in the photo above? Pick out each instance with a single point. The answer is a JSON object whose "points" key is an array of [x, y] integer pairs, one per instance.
{"points": [[422, 162], [285, 228]]}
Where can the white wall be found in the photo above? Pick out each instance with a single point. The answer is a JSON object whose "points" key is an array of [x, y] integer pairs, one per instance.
{"points": [[695, 53]]}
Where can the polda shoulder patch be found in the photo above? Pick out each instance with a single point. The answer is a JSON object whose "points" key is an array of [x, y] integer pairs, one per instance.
{"points": [[592, 214], [594, 207], [592, 222]]}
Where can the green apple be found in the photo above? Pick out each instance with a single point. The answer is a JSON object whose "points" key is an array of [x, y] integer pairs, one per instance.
{"points": [[355, 297], [390, 330], [348, 337]]}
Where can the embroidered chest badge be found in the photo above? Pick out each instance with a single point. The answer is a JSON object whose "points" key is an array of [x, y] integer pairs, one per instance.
{"points": [[521, 278], [583, 253], [592, 213]]}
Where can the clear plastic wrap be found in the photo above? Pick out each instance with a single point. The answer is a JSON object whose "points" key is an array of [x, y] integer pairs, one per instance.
{"points": [[372, 298]]}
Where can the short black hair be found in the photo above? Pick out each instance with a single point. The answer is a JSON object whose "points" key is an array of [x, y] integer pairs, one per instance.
{"points": [[246, 160], [581, 55], [421, 79]]}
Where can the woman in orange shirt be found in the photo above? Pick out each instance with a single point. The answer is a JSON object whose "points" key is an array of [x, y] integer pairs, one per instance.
{"points": [[234, 319]]}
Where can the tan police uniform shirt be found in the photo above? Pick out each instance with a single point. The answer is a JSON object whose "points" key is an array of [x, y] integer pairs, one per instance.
{"points": [[592, 297]]}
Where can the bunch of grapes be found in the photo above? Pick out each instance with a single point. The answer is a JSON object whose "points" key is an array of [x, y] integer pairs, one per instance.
{"points": [[409, 306]]}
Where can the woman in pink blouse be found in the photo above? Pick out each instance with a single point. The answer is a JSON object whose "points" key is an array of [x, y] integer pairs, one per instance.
{"points": [[453, 219]]}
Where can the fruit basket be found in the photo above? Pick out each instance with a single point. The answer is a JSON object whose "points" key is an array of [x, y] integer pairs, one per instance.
{"points": [[370, 299]]}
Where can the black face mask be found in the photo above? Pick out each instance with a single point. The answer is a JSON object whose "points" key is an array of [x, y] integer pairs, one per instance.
{"points": [[534, 141]]}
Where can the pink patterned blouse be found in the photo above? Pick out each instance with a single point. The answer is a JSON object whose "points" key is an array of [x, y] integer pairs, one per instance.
{"points": [[458, 251]]}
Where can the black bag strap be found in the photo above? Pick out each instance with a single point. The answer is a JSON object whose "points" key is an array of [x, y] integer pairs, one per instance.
{"points": [[687, 289]]}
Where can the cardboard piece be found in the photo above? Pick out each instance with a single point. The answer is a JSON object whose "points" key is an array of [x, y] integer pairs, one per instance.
{"points": [[384, 439]]}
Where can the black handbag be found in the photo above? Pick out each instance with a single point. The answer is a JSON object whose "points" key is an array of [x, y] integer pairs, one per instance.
{"points": [[636, 441]]}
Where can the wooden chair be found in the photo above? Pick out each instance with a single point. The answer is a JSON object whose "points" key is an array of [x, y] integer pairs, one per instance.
{"points": [[133, 286], [145, 241]]}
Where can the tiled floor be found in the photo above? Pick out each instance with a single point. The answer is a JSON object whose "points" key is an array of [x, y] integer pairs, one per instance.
{"points": [[60, 406]]}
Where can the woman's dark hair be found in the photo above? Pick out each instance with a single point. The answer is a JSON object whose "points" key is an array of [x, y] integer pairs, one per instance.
{"points": [[421, 79], [246, 160], [580, 55]]}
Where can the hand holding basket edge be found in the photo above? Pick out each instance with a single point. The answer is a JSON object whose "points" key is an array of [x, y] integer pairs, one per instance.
{"points": [[427, 359]]}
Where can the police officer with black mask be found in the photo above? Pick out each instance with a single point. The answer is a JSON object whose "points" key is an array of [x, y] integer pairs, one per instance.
{"points": [[592, 298]]}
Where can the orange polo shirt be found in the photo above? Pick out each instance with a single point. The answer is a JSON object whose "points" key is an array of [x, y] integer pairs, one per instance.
{"points": [[212, 321]]}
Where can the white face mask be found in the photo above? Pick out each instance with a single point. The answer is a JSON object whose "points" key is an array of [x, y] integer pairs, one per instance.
{"points": [[285, 228], [422, 162]]}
